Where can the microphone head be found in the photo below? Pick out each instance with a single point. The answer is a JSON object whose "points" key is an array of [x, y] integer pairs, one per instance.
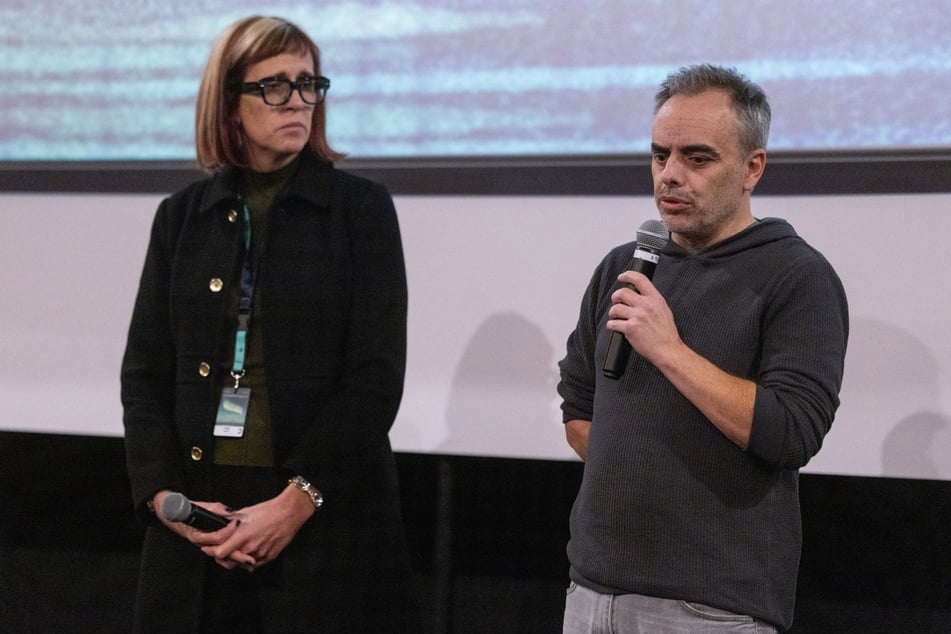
{"points": [[176, 507], [652, 234]]}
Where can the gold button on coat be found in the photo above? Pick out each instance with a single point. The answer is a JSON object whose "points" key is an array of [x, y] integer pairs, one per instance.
{"points": [[196, 453], [233, 216], [204, 369], [215, 284]]}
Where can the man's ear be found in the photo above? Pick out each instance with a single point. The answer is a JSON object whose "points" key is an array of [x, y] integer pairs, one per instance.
{"points": [[755, 166]]}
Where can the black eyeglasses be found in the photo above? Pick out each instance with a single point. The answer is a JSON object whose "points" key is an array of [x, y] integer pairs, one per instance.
{"points": [[277, 92]]}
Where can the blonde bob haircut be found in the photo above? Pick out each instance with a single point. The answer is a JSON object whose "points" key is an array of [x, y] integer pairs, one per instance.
{"points": [[219, 141]]}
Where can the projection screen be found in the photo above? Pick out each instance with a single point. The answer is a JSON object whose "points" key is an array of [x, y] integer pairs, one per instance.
{"points": [[113, 80]]}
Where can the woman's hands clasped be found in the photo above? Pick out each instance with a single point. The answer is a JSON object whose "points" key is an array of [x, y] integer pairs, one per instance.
{"points": [[256, 534]]}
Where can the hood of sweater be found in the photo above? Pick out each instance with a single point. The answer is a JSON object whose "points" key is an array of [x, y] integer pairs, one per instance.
{"points": [[761, 232]]}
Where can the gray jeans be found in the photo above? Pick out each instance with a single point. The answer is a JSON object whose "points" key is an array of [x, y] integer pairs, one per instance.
{"points": [[590, 612]]}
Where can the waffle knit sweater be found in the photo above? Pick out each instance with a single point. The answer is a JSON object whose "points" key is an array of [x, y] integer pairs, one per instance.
{"points": [[668, 506]]}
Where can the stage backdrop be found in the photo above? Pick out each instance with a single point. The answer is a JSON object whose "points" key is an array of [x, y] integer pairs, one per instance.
{"points": [[495, 282], [495, 285]]}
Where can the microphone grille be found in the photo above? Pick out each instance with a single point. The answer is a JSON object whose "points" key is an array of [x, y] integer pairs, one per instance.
{"points": [[176, 507], [653, 233]]}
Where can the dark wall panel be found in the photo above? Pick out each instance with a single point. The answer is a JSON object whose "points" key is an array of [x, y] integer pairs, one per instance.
{"points": [[487, 536]]}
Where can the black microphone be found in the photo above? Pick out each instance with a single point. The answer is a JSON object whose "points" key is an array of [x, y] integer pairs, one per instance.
{"points": [[652, 237], [178, 508]]}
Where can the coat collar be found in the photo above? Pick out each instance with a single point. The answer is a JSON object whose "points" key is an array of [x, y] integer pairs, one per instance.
{"points": [[311, 184]]}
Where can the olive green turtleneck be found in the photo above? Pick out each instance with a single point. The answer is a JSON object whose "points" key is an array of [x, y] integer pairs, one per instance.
{"points": [[259, 191]]}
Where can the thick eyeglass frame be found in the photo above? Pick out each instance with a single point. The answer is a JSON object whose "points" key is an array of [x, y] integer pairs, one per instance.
{"points": [[321, 86]]}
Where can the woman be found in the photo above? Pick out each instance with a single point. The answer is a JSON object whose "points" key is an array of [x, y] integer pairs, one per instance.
{"points": [[264, 367]]}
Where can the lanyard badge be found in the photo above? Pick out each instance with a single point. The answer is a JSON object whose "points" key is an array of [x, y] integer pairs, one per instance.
{"points": [[233, 406]]}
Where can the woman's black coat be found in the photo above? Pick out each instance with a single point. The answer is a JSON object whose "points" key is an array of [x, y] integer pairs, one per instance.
{"points": [[333, 290]]}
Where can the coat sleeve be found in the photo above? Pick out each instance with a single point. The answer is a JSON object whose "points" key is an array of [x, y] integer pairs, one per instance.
{"points": [[347, 435], [147, 376]]}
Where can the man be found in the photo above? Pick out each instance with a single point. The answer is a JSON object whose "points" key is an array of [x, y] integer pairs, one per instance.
{"points": [[687, 517]]}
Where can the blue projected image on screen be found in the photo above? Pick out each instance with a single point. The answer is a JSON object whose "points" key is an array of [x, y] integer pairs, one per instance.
{"points": [[113, 80]]}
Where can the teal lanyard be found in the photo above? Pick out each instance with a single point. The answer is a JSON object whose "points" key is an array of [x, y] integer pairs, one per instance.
{"points": [[244, 304]]}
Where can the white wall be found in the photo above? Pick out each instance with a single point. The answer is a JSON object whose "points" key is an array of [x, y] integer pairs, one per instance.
{"points": [[495, 284]]}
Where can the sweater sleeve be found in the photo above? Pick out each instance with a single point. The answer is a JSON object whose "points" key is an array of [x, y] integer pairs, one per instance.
{"points": [[805, 331], [578, 368]]}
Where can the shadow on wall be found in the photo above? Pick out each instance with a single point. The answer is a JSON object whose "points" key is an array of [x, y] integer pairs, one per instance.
{"points": [[503, 393], [889, 373], [908, 448]]}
